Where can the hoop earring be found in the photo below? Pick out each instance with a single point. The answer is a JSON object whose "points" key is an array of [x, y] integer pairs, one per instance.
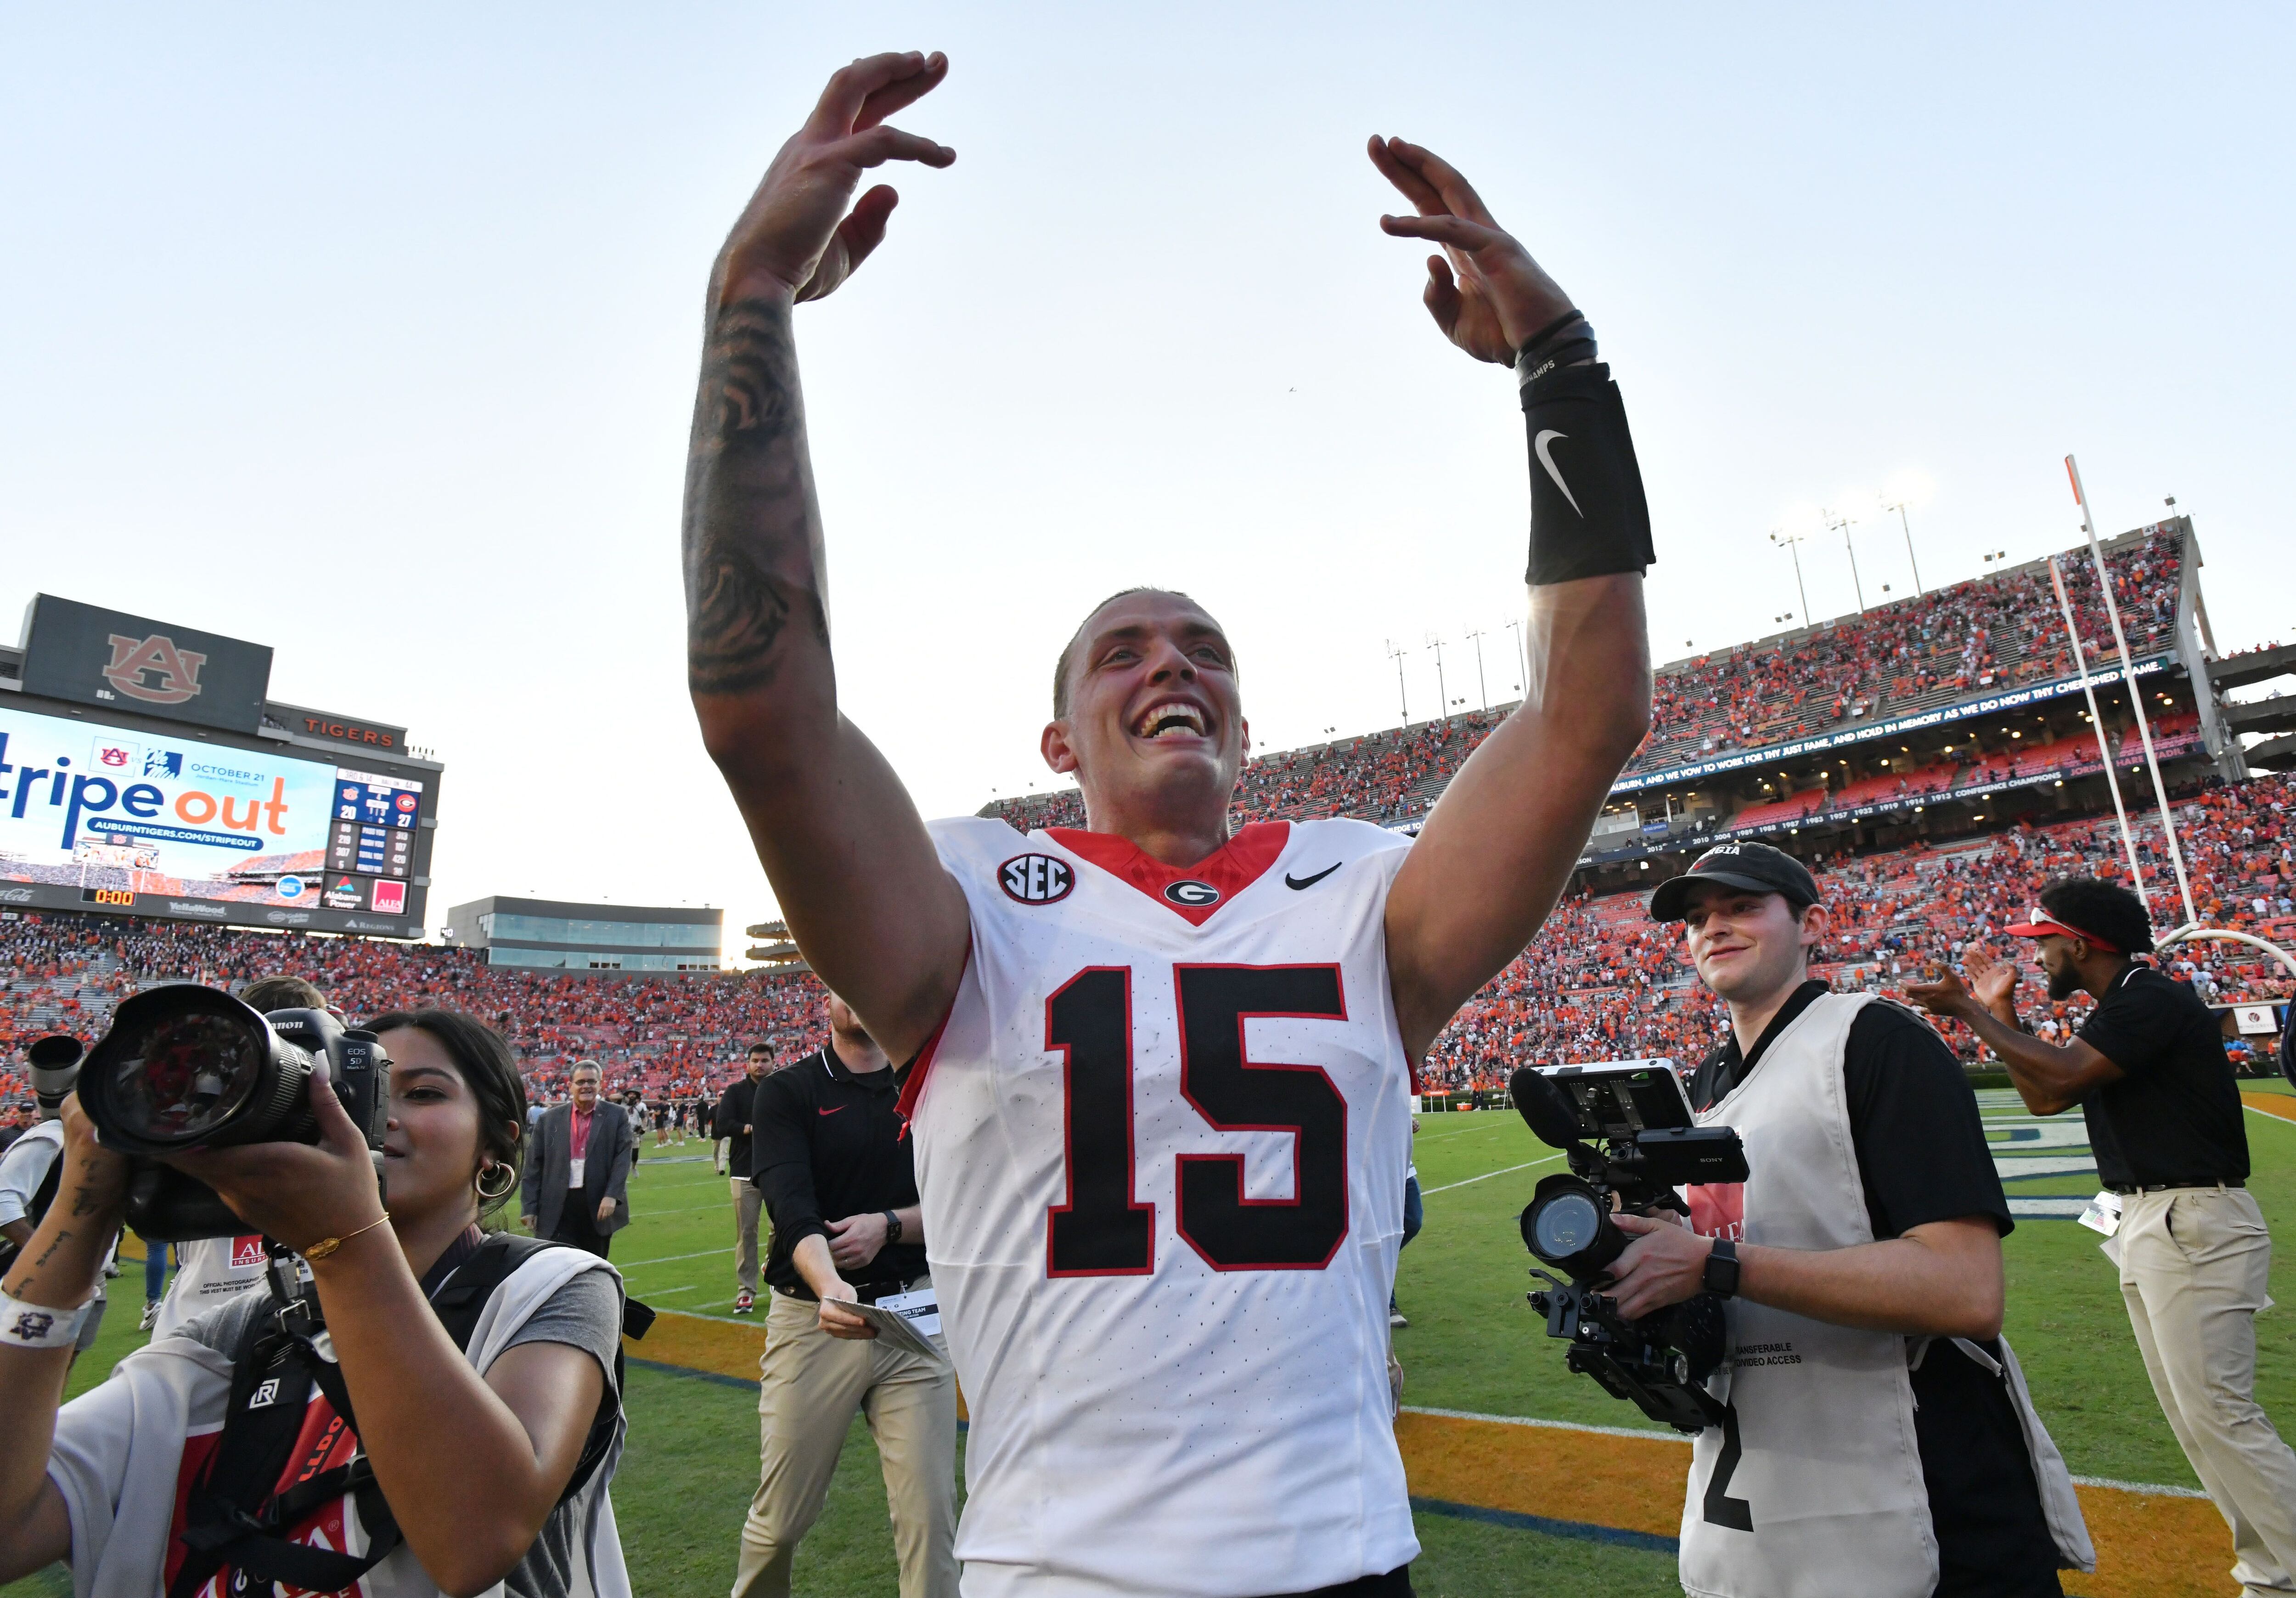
{"points": [[510, 1181]]}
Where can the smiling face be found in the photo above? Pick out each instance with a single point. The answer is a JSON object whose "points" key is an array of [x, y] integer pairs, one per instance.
{"points": [[1748, 947], [584, 1083], [432, 1147], [1149, 716]]}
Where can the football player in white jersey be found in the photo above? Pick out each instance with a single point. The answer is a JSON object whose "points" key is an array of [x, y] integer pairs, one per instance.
{"points": [[1162, 1069]]}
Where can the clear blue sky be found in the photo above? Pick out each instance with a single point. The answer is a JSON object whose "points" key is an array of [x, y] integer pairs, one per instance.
{"points": [[371, 334]]}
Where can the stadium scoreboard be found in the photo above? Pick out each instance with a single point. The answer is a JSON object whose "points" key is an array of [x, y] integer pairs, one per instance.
{"points": [[121, 791]]}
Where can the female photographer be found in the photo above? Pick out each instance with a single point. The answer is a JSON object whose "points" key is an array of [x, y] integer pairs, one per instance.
{"points": [[491, 1466]]}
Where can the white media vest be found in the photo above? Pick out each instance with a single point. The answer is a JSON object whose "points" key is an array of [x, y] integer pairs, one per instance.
{"points": [[1814, 1488], [1823, 1493]]}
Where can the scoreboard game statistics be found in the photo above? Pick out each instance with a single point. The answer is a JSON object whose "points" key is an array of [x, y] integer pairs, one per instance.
{"points": [[133, 820], [145, 768]]}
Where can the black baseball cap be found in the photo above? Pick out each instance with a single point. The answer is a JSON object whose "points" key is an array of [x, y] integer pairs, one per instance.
{"points": [[1754, 867]]}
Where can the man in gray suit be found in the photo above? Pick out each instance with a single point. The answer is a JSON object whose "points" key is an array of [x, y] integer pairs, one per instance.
{"points": [[578, 1173]]}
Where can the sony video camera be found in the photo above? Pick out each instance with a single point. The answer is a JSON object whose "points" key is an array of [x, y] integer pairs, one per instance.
{"points": [[1628, 1132], [189, 1067]]}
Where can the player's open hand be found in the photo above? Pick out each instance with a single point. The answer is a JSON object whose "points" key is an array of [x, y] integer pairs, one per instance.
{"points": [[1485, 292], [796, 236]]}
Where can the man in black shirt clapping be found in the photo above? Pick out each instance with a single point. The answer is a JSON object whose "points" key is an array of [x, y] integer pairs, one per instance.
{"points": [[831, 1156], [2149, 1071]]}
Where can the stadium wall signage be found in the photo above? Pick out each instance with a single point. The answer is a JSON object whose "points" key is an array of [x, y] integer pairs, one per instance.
{"points": [[340, 729], [1945, 715], [90, 656]]}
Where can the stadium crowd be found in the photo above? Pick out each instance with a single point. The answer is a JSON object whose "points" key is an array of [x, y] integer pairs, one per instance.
{"points": [[1896, 659], [1601, 981], [671, 1039]]}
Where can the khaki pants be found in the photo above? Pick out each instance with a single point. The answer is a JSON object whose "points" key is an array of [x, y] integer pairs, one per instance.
{"points": [[2193, 1267], [746, 1201], [813, 1383]]}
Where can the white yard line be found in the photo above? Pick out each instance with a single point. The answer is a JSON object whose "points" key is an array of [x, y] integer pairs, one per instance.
{"points": [[670, 1259], [1600, 1431], [1486, 1176]]}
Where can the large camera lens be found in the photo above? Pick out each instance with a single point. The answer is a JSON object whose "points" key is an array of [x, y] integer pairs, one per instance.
{"points": [[1568, 1225], [185, 1065]]}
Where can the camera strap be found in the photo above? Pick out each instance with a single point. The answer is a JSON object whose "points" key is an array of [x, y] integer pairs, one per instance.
{"points": [[237, 1514]]}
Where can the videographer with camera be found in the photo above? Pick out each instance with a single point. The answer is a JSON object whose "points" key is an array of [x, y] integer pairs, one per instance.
{"points": [[331, 1436], [1878, 1439]]}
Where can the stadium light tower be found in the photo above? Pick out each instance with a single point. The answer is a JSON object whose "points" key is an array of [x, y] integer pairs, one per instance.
{"points": [[1779, 535], [1442, 688], [1842, 525], [1397, 655], [1521, 662], [1899, 507], [1476, 633]]}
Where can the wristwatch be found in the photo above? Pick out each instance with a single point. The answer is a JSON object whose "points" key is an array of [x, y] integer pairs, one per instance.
{"points": [[1721, 1275], [893, 1229]]}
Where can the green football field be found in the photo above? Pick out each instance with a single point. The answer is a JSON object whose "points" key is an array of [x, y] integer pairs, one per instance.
{"points": [[1473, 1346]]}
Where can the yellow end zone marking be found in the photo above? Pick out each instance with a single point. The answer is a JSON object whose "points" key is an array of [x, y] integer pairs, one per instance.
{"points": [[2149, 1544], [2282, 1105]]}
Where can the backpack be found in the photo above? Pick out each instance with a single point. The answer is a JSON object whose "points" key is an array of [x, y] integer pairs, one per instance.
{"points": [[234, 1516]]}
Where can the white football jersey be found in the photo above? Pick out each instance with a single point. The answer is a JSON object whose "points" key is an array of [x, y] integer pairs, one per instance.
{"points": [[1161, 1143]]}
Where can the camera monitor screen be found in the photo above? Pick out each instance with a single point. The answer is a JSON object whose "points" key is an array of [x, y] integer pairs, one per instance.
{"points": [[115, 818], [1619, 1100]]}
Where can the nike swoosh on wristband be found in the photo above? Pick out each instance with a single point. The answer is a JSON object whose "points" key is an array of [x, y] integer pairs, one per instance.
{"points": [[1292, 882], [1538, 446]]}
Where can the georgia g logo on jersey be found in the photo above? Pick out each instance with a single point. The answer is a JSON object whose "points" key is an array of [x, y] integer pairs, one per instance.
{"points": [[1035, 880], [1190, 893]]}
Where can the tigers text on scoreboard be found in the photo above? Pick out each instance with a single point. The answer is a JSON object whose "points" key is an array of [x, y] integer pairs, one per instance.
{"points": [[145, 768]]}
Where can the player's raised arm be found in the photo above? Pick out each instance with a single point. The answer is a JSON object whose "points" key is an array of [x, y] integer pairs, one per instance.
{"points": [[1502, 842], [849, 858]]}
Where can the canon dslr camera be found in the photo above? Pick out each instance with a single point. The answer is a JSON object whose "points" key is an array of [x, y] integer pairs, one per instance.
{"points": [[187, 1068], [1627, 1132]]}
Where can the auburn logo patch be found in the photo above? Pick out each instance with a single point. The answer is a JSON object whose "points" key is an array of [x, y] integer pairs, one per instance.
{"points": [[1036, 878]]}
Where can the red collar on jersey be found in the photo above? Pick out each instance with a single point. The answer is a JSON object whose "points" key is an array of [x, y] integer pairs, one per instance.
{"points": [[1229, 869]]}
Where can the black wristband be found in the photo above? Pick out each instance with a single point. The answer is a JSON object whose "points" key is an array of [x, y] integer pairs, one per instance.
{"points": [[1588, 516], [1566, 341], [1721, 1275], [1530, 346], [892, 1227]]}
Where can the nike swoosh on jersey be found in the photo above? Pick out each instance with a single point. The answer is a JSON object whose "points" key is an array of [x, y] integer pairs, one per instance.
{"points": [[1538, 446], [1292, 882], [829, 1112]]}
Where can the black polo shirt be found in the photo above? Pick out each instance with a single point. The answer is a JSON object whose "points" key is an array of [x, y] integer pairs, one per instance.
{"points": [[830, 1145], [726, 1121], [2174, 1116], [1921, 1157]]}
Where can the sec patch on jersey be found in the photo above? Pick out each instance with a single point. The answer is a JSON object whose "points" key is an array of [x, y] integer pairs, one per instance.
{"points": [[1035, 880]]}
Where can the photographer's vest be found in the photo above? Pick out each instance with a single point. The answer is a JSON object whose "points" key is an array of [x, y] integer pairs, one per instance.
{"points": [[43, 1195], [1814, 1485]]}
